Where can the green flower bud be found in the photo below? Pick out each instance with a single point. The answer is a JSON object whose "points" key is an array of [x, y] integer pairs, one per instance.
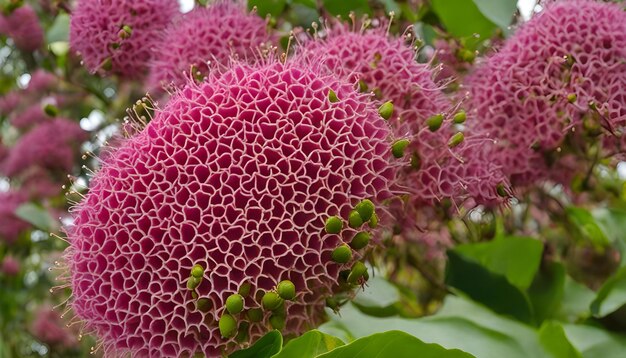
{"points": [[277, 322], [459, 117], [244, 289], [51, 110], [355, 220], [386, 110], [197, 271], [362, 86], [255, 315], [242, 335], [332, 303], [571, 98], [204, 304], [271, 301], [398, 147], [360, 240], [193, 283], [456, 139], [358, 270], [286, 290], [434, 122], [334, 225], [365, 209], [500, 189], [342, 254], [234, 303], [373, 221], [194, 295], [227, 325], [332, 96]]}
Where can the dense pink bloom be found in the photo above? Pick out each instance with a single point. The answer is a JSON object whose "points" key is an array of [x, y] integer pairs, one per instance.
{"points": [[10, 266], [215, 34], [22, 25], [10, 225], [29, 117], [51, 145], [96, 32], [49, 328], [520, 95], [238, 174], [41, 81], [9, 102], [387, 66]]}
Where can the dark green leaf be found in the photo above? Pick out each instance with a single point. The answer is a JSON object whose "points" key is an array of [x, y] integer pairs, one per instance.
{"points": [[265, 7], [462, 18], [265, 347], [611, 296], [587, 226], [546, 291], [612, 221], [343, 7], [309, 345], [553, 338], [393, 344]]}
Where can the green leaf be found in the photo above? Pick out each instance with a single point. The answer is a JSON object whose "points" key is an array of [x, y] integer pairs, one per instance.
{"points": [[462, 18], [587, 226], [265, 347], [611, 296], [594, 342], [553, 338], [308, 3], [378, 297], [516, 258], [60, 29], [265, 7], [576, 301], [309, 345], [343, 7], [393, 344], [37, 216], [612, 221], [499, 12], [486, 287], [546, 291]]}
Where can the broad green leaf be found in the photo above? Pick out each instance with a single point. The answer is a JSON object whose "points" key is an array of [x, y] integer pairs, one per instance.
{"points": [[576, 301], [308, 3], [265, 7], [462, 18], [309, 345], [587, 226], [516, 258], [499, 12], [379, 293], [612, 221], [343, 7], [594, 342], [60, 29], [393, 344], [546, 291], [611, 296], [265, 347], [553, 338], [37, 216], [491, 289]]}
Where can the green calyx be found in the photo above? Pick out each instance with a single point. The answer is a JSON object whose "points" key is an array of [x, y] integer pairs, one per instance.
{"points": [[354, 219], [332, 96], [234, 303], [255, 315], [373, 223], [227, 325], [342, 254], [271, 301], [334, 225], [197, 271], [501, 190], [204, 304], [277, 321], [435, 122], [456, 139], [386, 110], [358, 271], [286, 290], [193, 283], [459, 117], [365, 209], [244, 289], [125, 32], [360, 240], [51, 110], [398, 147], [571, 98]]}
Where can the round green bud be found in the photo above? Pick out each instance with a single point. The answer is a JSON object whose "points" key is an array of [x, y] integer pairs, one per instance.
{"points": [[332, 96], [244, 289], [355, 220], [373, 221], [277, 321], [227, 325], [500, 189], [435, 122], [197, 271], [358, 270], [360, 240], [386, 110], [204, 304], [271, 301], [456, 139], [51, 110], [365, 209], [255, 315], [398, 147], [193, 283], [459, 117], [571, 98], [334, 225], [194, 295], [342, 254], [362, 86], [234, 303], [286, 290]]}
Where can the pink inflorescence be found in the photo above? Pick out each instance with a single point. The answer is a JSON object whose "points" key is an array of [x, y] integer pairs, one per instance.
{"points": [[238, 174], [11, 226], [10, 266], [29, 117], [49, 328], [386, 65], [22, 25], [51, 145], [116, 36], [41, 81], [216, 34], [539, 87]]}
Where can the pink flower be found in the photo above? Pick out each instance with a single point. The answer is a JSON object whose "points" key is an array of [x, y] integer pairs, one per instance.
{"points": [[22, 25], [10, 266]]}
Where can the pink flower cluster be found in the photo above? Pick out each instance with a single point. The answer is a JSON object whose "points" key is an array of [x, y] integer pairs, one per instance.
{"points": [[49, 328], [22, 26], [10, 266]]}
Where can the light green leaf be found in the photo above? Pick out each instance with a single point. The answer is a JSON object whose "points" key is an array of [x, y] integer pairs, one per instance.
{"points": [[37, 216], [265, 347], [378, 293], [265, 7], [554, 340], [309, 345], [595, 342], [60, 29], [612, 221], [462, 18], [393, 344], [611, 296], [499, 12], [587, 226], [576, 301]]}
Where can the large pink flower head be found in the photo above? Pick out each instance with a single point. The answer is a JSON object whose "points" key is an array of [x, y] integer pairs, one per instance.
{"points": [[22, 25], [11, 226], [563, 72], [51, 145], [253, 176], [387, 66], [215, 33], [115, 36]]}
